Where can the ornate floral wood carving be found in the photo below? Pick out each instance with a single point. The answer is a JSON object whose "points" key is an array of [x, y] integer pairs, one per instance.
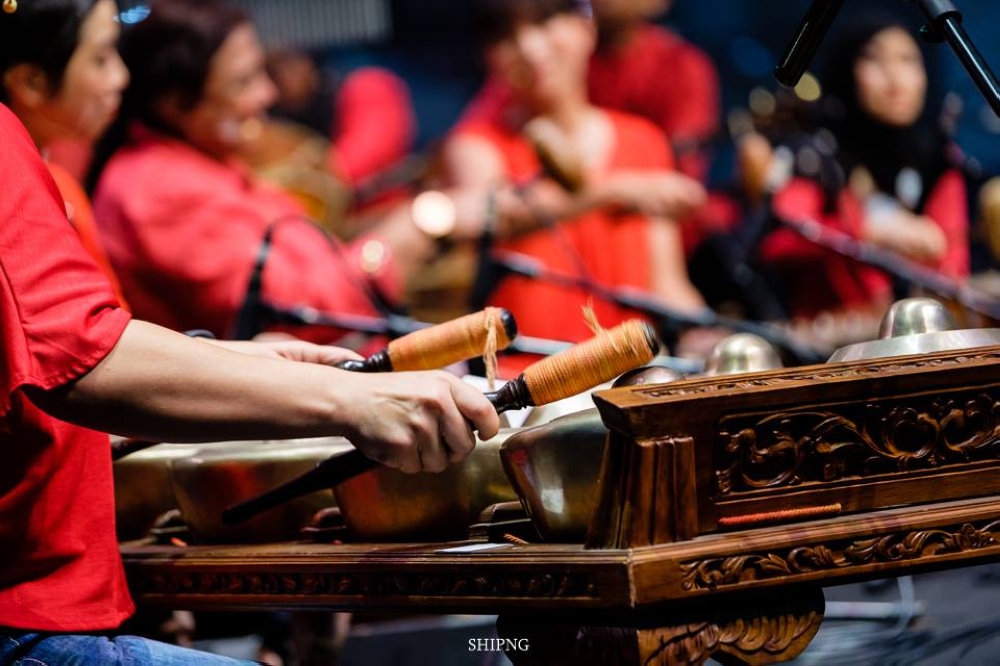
{"points": [[350, 584], [752, 631], [859, 441], [820, 373], [756, 639], [712, 574]]}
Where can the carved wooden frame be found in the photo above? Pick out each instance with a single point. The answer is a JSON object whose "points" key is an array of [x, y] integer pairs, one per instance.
{"points": [[823, 440]]}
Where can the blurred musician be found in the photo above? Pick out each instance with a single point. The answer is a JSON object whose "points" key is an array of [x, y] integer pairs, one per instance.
{"points": [[75, 363], [61, 75], [890, 181], [326, 137], [644, 69], [617, 227], [181, 217]]}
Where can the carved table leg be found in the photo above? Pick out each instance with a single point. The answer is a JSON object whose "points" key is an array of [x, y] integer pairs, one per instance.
{"points": [[750, 630]]}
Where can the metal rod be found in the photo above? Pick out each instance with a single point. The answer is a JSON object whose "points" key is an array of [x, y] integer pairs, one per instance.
{"points": [[972, 59]]}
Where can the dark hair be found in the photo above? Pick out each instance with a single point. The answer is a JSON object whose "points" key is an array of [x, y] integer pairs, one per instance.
{"points": [[169, 53], [43, 33], [862, 140], [497, 19]]}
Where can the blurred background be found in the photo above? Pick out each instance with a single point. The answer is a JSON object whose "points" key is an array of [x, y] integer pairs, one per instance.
{"points": [[433, 46]]}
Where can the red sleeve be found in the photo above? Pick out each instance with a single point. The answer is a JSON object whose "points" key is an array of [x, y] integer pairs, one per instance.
{"points": [[696, 82], [58, 315], [375, 123], [191, 250], [695, 118], [799, 199], [948, 206], [488, 105]]}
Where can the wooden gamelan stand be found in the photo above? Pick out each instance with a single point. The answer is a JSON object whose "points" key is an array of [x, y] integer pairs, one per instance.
{"points": [[725, 506]]}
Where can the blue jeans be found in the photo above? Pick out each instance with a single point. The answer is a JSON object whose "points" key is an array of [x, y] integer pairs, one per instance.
{"points": [[34, 649]]}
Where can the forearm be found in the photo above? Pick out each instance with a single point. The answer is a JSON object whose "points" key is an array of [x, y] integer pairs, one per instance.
{"points": [[157, 384], [670, 280], [409, 247]]}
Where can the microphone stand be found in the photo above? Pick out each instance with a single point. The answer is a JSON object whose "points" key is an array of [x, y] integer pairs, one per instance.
{"points": [[645, 303], [393, 326], [944, 23], [866, 253]]}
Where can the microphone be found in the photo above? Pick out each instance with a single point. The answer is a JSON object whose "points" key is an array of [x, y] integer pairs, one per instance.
{"points": [[556, 155], [253, 314], [488, 273], [894, 264], [645, 303], [815, 24]]}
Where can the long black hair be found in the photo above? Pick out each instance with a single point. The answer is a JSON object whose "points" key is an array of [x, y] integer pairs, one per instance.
{"points": [[884, 150], [43, 33]]}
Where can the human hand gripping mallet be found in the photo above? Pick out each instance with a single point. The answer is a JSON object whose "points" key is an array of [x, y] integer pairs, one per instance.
{"points": [[579, 368]]}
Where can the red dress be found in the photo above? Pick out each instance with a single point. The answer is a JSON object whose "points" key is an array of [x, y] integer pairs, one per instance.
{"points": [[613, 247], [818, 280], [59, 563], [183, 230]]}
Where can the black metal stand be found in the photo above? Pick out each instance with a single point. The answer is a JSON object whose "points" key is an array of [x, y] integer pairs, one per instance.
{"points": [[944, 23]]}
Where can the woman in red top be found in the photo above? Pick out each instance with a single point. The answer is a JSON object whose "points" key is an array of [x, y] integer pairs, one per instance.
{"points": [[643, 69], [891, 184], [61, 75], [182, 219], [541, 50]]}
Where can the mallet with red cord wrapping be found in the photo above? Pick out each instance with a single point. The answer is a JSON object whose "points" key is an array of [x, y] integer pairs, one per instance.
{"points": [[565, 374]]}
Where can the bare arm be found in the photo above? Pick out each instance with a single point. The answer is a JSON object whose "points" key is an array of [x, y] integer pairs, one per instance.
{"points": [[157, 384], [670, 280], [473, 164]]}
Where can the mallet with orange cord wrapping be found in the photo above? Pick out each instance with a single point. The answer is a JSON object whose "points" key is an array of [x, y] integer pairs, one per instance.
{"points": [[442, 345], [481, 333], [583, 366]]}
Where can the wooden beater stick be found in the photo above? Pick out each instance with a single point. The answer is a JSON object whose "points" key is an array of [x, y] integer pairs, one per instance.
{"points": [[440, 346]]}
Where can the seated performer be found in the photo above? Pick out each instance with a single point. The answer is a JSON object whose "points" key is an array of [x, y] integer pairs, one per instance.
{"points": [[182, 219], [640, 68], [540, 50], [61, 75], [893, 183], [75, 363]]}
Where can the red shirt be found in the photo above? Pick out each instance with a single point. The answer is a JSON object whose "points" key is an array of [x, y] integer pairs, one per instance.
{"points": [[657, 76], [183, 229], [375, 124], [81, 216], [613, 247], [819, 280], [59, 563]]}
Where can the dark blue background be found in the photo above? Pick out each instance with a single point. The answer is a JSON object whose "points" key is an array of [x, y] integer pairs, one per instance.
{"points": [[433, 47]]}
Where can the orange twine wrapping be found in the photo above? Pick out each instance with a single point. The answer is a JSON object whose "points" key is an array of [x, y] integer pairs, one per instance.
{"points": [[451, 342], [780, 516], [586, 365]]}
